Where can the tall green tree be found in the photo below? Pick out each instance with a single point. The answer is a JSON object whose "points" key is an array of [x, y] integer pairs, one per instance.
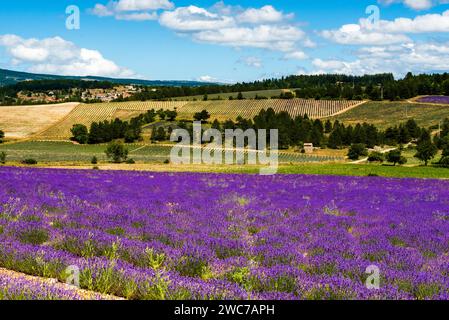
{"points": [[117, 152], [80, 133], [425, 150]]}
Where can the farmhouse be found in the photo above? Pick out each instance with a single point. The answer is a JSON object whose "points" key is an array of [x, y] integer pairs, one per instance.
{"points": [[308, 147]]}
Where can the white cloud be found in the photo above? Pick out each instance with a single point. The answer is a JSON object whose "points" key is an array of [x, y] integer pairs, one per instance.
{"points": [[278, 38], [139, 5], [254, 62], [415, 4], [266, 14], [234, 26], [138, 16], [355, 34], [296, 55], [420, 24], [398, 59], [58, 56], [387, 32], [193, 18], [102, 10], [207, 79], [137, 10]]}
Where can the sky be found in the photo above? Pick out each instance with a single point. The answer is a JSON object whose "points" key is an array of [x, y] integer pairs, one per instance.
{"points": [[224, 41]]}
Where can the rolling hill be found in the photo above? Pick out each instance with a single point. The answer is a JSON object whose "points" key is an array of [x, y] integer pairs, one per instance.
{"points": [[8, 77]]}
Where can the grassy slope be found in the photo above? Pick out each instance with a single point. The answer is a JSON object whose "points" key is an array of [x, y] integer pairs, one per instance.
{"points": [[385, 114]]}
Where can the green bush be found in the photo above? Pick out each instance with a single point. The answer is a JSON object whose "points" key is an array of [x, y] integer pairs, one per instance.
{"points": [[376, 157], [357, 150], [444, 162], [2, 157], [29, 161], [34, 236], [94, 160]]}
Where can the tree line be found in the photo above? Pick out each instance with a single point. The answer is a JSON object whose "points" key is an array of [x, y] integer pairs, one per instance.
{"points": [[106, 131], [294, 132], [324, 86]]}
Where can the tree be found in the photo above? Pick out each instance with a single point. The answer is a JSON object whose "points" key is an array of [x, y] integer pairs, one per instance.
{"points": [[161, 114], [117, 152], [445, 146], [445, 128], [357, 150], [335, 139], [79, 133], [2, 136], [444, 162], [413, 128], [328, 126], [240, 96], [2, 157], [394, 156], [158, 134], [201, 116], [171, 115], [216, 125], [94, 160], [130, 136], [425, 149]]}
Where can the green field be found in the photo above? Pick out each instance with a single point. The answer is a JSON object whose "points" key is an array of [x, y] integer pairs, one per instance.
{"points": [[386, 114], [45, 151]]}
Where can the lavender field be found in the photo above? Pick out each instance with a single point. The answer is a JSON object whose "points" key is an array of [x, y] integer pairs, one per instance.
{"points": [[213, 236], [434, 99]]}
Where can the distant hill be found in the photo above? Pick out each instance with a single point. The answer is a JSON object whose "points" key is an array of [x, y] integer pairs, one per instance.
{"points": [[8, 77]]}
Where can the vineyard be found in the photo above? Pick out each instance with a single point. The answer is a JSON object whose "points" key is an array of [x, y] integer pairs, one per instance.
{"points": [[221, 110], [88, 113]]}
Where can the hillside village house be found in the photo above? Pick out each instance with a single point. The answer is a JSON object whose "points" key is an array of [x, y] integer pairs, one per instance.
{"points": [[308, 147]]}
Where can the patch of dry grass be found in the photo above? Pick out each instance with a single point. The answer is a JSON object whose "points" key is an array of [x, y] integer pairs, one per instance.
{"points": [[20, 122]]}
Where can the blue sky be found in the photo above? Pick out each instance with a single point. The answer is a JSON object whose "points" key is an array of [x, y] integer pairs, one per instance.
{"points": [[226, 41]]}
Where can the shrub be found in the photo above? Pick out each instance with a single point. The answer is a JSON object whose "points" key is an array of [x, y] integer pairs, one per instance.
{"points": [[357, 150], [2, 157], [166, 161], [94, 160], [376, 157], [34, 236], [395, 156], [29, 161], [444, 162], [130, 161]]}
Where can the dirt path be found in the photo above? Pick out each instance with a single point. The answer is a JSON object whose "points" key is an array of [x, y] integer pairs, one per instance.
{"points": [[382, 151]]}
